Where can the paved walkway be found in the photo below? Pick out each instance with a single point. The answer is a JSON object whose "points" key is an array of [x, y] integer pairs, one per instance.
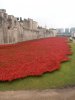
{"points": [[51, 94]]}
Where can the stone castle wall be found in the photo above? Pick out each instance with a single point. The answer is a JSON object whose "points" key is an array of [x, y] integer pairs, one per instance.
{"points": [[13, 30]]}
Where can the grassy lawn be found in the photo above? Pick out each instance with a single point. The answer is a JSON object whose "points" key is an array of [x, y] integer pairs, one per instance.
{"points": [[60, 78]]}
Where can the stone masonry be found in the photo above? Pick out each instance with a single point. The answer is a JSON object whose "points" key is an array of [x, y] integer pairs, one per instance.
{"points": [[13, 29]]}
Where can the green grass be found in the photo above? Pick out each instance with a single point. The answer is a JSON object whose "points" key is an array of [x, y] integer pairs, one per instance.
{"points": [[57, 79]]}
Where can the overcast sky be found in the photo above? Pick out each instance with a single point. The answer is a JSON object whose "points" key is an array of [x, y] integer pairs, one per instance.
{"points": [[52, 13]]}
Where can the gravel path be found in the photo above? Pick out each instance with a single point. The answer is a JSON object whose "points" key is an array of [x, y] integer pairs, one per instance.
{"points": [[49, 94]]}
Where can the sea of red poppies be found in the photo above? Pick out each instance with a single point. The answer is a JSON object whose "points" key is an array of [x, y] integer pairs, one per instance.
{"points": [[32, 58]]}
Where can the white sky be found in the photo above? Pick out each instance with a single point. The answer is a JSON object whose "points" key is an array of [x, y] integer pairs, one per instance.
{"points": [[52, 13]]}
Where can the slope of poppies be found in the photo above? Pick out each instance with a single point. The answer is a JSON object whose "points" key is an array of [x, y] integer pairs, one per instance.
{"points": [[32, 57]]}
